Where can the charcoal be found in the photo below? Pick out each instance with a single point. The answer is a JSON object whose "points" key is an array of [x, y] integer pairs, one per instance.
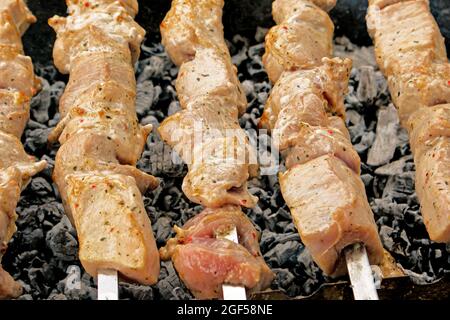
{"points": [[43, 253], [241, 55], [135, 292], [386, 237], [283, 253], [41, 103], [306, 263], [57, 296], [36, 140], [260, 33], [283, 278], [77, 284], [170, 284], [41, 187], [283, 213], [400, 187], [366, 142], [361, 56], [367, 87], [249, 89], [385, 142], [150, 120], [32, 238], [419, 279], [152, 67], [267, 238], [163, 229], [173, 108], [386, 206], [147, 95], [394, 167], [27, 256], [367, 179], [61, 242]]}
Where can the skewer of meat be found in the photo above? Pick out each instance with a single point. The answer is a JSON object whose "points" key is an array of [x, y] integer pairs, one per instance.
{"points": [[17, 86], [98, 44], [410, 51], [305, 113], [207, 135]]}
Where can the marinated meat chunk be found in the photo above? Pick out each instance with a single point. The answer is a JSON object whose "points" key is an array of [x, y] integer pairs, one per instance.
{"points": [[204, 265], [210, 73], [14, 112], [112, 226], [328, 224], [207, 136], [17, 86], [407, 38], [411, 52], [433, 188], [205, 262], [8, 287], [312, 142], [102, 140], [312, 92], [410, 92], [190, 25], [19, 12], [427, 125], [218, 175], [111, 18], [299, 41]]}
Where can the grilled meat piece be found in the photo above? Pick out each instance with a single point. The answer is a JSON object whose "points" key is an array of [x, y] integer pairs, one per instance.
{"points": [[302, 37], [102, 140], [315, 94], [190, 25], [211, 73], [305, 114], [205, 262], [112, 225], [207, 135], [411, 52], [330, 210], [17, 85]]}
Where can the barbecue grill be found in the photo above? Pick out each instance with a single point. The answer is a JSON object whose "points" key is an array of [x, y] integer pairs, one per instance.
{"points": [[43, 252]]}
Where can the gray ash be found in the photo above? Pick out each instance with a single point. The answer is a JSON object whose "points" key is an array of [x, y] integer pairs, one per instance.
{"points": [[43, 252]]}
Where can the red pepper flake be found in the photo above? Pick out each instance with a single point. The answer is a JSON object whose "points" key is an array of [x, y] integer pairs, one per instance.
{"points": [[330, 131], [87, 4], [285, 28], [93, 186], [81, 120], [448, 82], [76, 205]]}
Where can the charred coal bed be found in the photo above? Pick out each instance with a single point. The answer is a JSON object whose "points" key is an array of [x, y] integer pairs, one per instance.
{"points": [[43, 253]]}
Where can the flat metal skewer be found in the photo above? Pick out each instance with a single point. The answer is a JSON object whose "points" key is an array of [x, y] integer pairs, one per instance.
{"points": [[107, 285], [360, 273], [231, 292]]}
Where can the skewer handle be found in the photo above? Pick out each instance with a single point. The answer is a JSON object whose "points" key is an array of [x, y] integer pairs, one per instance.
{"points": [[360, 273], [108, 285], [231, 292]]}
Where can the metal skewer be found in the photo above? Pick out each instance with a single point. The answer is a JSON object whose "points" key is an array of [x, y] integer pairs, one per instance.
{"points": [[231, 292], [107, 285], [360, 273]]}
